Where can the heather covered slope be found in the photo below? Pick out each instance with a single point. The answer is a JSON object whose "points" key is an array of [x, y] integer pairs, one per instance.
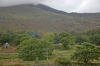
{"points": [[28, 17]]}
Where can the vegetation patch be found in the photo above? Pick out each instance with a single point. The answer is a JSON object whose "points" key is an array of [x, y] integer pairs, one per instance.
{"points": [[8, 56]]}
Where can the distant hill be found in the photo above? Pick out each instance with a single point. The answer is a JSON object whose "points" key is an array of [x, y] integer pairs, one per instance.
{"points": [[44, 18]]}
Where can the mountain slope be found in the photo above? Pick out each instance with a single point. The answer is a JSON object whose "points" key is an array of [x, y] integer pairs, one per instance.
{"points": [[44, 18]]}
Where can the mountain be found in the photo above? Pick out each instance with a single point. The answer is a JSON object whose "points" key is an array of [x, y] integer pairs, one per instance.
{"points": [[50, 9], [44, 18]]}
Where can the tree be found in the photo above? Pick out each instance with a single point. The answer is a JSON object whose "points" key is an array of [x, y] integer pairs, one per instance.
{"points": [[56, 39], [86, 53], [81, 38], [12, 37], [63, 34], [49, 37], [34, 34], [67, 40], [25, 38], [95, 39], [17, 40], [4, 38], [66, 43], [34, 48]]}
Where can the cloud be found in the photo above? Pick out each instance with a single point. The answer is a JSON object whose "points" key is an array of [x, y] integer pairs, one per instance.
{"points": [[65, 5], [4, 3], [80, 6], [89, 6]]}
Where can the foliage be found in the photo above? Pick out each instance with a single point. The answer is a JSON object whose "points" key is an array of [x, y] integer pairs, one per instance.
{"points": [[4, 38], [67, 40], [92, 32], [62, 60], [95, 39], [63, 34], [34, 34], [49, 37], [17, 40], [57, 46], [56, 39], [2, 32], [82, 38], [66, 43], [25, 38], [86, 53], [33, 48]]}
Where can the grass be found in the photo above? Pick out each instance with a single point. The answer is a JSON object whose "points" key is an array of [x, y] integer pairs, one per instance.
{"points": [[13, 60], [8, 56]]}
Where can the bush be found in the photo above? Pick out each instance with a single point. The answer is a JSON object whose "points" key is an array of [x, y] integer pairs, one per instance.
{"points": [[63, 61], [57, 46]]}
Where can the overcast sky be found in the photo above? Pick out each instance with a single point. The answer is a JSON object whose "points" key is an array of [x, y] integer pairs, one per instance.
{"points": [[80, 6]]}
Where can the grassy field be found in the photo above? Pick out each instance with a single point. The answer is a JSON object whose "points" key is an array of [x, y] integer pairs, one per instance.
{"points": [[11, 59]]}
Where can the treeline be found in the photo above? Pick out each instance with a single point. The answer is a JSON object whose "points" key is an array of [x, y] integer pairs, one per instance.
{"points": [[16, 36], [13, 37], [91, 36]]}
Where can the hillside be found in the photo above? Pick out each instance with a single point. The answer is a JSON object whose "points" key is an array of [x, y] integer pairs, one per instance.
{"points": [[46, 19]]}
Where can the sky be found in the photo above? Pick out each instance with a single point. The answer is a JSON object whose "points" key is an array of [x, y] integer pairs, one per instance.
{"points": [[79, 6]]}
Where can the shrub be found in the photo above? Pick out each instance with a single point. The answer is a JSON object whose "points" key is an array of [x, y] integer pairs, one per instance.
{"points": [[57, 46], [62, 61]]}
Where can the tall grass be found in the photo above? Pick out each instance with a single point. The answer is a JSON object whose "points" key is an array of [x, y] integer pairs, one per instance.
{"points": [[8, 56]]}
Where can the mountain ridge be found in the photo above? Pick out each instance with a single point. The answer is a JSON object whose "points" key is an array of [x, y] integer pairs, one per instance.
{"points": [[46, 19]]}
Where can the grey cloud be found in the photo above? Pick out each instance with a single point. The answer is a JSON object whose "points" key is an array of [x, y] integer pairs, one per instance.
{"points": [[4, 3], [79, 6], [89, 6], [65, 5]]}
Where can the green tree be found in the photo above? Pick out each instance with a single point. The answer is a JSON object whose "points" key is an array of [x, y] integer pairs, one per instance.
{"points": [[31, 49], [95, 39], [63, 34], [17, 40], [12, 36], [56, 39], [67, 40], [34, 34], [25, 38], [49, 37], [81, 38], [86, 53], [4, 38]]}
